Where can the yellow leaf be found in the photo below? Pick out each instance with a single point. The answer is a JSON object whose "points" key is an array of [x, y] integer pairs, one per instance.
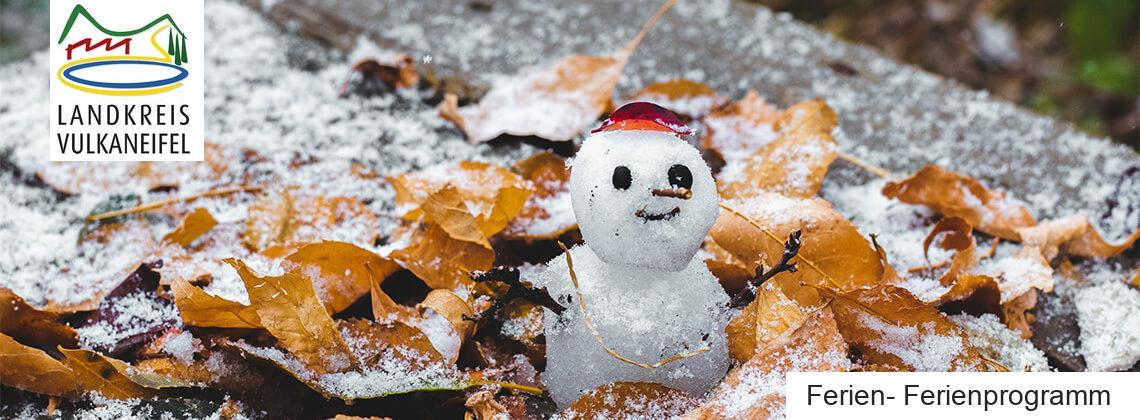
{"points": [[104, 375], [289, 309], [193, 225], [441, 261], [833, 252], [32, 370], [767, 318], [341, 272], [202, 309], [547, 213], [282, 216], [20, 320], [795, 163], [491, 194]]}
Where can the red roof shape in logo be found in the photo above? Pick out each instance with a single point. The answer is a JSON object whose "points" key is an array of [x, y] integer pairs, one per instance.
{"points": [[644, 116]]}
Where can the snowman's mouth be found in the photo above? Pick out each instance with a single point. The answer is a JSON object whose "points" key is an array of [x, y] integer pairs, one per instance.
{"points": [[657, 216]]}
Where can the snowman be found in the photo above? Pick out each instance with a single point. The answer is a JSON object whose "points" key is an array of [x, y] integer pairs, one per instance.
{"points": [[640, 306]]}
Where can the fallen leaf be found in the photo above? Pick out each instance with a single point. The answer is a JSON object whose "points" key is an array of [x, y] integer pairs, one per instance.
{"points": [[118, 313], [280, 216], [202, 309], [547, 213], [833, 251], [341, 272], [755, 390], [795, 163], [32, 370], [1016, 312], [374, 76], [95, 372], [491, 194], [762, 321], [441, 261], [193, 225], [891, 327], [555, 103], [453, 308], [953, 194], [630, 400], [731, 272], [957, 235], [972, 294], [737, 130], [1076, 235], [482, 406], [289, 309], [20, 320], [686, 97]]}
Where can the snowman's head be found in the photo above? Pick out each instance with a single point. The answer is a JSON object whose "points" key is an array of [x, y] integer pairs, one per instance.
{"points": [[643, 196]]}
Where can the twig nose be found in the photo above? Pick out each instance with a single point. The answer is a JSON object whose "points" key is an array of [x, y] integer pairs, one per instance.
{"points": [[682, 193]]}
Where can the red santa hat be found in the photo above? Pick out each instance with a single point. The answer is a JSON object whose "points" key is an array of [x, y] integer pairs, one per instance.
{"points": [[644, 116]]}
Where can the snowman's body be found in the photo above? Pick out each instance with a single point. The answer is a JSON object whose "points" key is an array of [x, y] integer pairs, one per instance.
{"points": [[643, 314], [644, 200]]}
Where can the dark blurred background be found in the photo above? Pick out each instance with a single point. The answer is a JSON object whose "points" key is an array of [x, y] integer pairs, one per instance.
{"points": [[1078, 60]]}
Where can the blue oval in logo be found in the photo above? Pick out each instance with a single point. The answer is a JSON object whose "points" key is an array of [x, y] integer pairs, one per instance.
{"points": [[182, 73]]}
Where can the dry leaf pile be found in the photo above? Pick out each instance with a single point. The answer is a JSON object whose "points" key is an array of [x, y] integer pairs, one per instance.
{"points": [[312, 303]]}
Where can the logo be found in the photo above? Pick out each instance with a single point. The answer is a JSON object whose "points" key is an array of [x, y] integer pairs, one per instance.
{"points": [[127, 80], [153, 67]]}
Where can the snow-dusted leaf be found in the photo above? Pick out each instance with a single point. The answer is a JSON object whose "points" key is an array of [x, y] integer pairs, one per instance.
{"points": [[107, 376], [833, 252], [341, 272], [1076, 235], [31, 369], [76, 177], [737, 130], [793, 164], [202, 309], [954, 194], [547, 213], [755, 390], [289, 309], [683, 96], [282, 216], [767, 318], [492, 194], [630, 400], [441, 261], [891, 327]]}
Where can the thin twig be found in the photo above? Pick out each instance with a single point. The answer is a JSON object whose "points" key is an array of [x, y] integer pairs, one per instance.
{"points": [[168, 201], [869, 167], [791, 248], [510, 385], [773, 236], [598, 336], [633, 43]]}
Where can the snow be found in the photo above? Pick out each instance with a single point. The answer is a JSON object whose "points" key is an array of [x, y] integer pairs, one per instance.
{"points": [[994, 340], [646, 315], [135, 314], [181, 346], [1109, 317], [919, 347], [607, 215]]}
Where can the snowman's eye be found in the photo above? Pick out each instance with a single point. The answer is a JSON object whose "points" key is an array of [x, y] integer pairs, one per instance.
{"points": [[622, 178], [680, 177]]}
